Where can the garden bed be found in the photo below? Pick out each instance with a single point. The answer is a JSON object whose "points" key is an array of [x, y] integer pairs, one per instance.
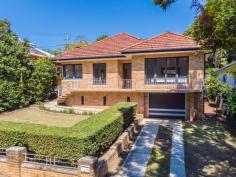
{"points": [[92, 136]]}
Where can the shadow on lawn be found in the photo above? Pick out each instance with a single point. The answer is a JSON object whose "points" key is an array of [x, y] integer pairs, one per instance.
{"points": [[210, 150]]}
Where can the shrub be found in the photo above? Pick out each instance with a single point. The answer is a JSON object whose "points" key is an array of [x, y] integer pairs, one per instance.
{"points": [[43, 79], [211, 70], [217, 88], [231, 102], [88, 137], [88, 113], [69, 111]]}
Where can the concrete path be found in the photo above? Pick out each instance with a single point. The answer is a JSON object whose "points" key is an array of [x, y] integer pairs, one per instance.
{"points": [[137, 159], [177, 163]]}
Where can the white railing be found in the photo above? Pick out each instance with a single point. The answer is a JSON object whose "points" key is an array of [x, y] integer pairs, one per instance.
{"points": [[52, 161], [157, 83], [99, 82], [166, 80], [171, 85]]}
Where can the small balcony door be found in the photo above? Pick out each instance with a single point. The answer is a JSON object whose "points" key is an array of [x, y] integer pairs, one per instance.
{"points": [[99, 74], [127, 82]]}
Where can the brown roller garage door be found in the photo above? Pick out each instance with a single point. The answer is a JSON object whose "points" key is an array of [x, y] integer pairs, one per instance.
{"points": [[167, 105]]}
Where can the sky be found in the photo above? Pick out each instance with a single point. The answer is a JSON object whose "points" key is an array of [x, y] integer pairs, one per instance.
{"points": [[48, 23]]}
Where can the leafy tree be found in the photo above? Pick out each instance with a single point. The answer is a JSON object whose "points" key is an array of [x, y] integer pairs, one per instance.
{"points": [[54, 51], [21, 80], [43, 79], [163, 3], [215, 27], [81, 42], [101, 37], [15, 68]]}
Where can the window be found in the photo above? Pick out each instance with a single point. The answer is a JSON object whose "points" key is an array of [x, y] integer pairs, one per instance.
{"points": [[170, 67], [182, 64], [68, 71], [78, 71], [73, 71], [104, 100], [166, 70], [128, 99], [99, 73], [82, 100]]}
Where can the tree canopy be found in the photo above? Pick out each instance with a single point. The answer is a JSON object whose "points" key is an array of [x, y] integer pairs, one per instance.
{"points": [[80, 42], [215, 26], [163, 3], [18, 72], [104, 36]]}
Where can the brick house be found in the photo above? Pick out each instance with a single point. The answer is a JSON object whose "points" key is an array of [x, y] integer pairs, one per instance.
{"points": [[163, 74]]}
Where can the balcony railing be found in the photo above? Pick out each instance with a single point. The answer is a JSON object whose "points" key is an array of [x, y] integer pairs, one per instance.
{"points": [[99, 82], [166, 80], [131, 84], [126, 83]]}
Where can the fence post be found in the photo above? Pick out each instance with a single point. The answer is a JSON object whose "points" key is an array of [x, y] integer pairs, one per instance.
{"points": [[87, 166], [15, 156]]}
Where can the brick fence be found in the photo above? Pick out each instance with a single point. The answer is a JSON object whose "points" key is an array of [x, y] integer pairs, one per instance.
{"points": [[14, 163]]}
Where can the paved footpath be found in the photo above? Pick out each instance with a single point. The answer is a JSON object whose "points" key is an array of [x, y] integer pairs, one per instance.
{"points": [[177, 164], [137, 159]]}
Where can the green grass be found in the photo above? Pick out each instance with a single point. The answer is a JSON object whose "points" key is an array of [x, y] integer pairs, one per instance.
{"points": [[210, 150], [43, 117], [159, 162], [91, 136]]}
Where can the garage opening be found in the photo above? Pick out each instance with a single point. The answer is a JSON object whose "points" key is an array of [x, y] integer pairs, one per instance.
{"points": [[167, 105]]}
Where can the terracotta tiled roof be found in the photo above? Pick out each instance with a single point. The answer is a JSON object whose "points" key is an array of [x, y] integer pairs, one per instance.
{"points": [[122, 43], [164, 41], [107, 47]]}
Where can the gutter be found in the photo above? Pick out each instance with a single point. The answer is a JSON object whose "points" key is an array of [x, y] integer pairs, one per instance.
{"points": [[159, 50], [88, 58]]}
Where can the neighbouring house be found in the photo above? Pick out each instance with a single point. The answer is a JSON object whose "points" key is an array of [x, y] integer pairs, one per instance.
{"points": [[224, 74], [163, 74], [37, 53]]}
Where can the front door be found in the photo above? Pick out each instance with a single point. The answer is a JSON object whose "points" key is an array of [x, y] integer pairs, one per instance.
{"points": [[127, 83]]}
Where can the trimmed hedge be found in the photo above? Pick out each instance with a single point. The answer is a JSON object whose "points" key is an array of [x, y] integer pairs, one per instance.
{"points": [[88, 137]]}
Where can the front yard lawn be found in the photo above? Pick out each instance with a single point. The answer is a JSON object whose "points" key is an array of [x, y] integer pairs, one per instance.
{"points": [[210, 150], [37, 116], [92, 136]]}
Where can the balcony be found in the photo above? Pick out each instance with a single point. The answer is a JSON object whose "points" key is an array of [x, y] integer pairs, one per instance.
{"points": [[130, 85]]}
